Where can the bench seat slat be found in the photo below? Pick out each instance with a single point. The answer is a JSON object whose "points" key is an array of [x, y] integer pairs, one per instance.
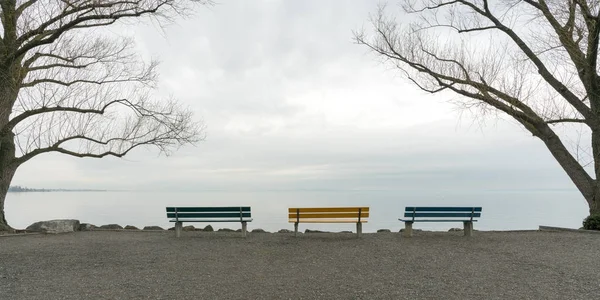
{"points": [[210, 209], [328, 215], [440, 209], [211, 220], [424, 220], [328, 210], [209, 215], [441, 215], [327, 221]]}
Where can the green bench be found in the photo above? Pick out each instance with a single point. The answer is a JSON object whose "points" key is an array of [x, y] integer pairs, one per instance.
{"points": [[467, 215], [179, 215]]}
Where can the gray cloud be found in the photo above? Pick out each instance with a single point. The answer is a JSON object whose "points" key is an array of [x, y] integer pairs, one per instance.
{"points": [[291, 103]]}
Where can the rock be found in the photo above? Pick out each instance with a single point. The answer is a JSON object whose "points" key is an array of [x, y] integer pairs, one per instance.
{"points": [[153, 228], [131, 227], [383, 230], [189, 228], [86, 227], [173, 228], [258, 230], [226, 230], [455, 229], [414, 230], [239, 230], [284, 231], [208, 228], [54, 226], [111, 226], [345, 231], [314, 231]]}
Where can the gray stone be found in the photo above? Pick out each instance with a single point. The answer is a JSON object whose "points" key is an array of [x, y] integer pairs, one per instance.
{"points": [[208, 228], [383, 230], [54, 226], [173, 228], [111, 226], [285, 231], [258, 230], [189, 228], [226, 230], [345, 231], [314, 231], [86, 227], [131, 227], [153, 228], [414, 230], [455, 229], [238, 230]]}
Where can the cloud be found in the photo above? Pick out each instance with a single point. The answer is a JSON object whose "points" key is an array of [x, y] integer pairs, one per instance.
{"points": [[291, 103]]}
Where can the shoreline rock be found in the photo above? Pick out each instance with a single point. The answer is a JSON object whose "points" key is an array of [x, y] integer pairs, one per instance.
{"points": [[131, 227], [54, 226], [152, 228], [111, 226]]}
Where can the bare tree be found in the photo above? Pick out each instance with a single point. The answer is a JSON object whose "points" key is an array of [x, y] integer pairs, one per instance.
{"points": [[68, 86], [533, 60]]}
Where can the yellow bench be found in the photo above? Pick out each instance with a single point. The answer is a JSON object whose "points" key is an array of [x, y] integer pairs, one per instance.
{"points": [[356, 215]]}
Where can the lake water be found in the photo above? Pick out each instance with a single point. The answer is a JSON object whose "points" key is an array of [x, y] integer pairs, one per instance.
{"points": [[504, 210]]}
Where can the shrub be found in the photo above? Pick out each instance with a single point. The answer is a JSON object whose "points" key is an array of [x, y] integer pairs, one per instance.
{"points": [[592, 222]]}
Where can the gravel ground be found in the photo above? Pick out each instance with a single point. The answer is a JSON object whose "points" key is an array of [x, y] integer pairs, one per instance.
{"points": [[199, 265]]}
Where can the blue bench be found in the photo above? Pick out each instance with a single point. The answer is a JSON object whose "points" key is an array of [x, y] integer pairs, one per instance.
{"points": [[467, 215], [179, 215]]}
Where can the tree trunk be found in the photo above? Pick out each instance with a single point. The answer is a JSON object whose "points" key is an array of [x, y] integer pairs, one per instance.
{"points": [[6, 175]]}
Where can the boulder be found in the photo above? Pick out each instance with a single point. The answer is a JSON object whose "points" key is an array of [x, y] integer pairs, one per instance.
{"points": [[258, 230], [189, 228], [414, 230], [383, 230], [86, 227], [131, 227], [455, 229], [54, 226], [284, 231], [314, 231], [208, 228], [238, 230], [345, 231], [226, 230], [173, 228], [111, 226], [153, 228]]}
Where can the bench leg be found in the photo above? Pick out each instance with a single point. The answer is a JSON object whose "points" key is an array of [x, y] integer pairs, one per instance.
{"points": [[178, 227], [408, 229], [359, 229], [244, 228], [296, 229], [468, 228]]}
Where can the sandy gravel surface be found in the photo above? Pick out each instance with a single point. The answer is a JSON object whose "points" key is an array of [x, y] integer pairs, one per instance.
{"points": [[199, 265]]}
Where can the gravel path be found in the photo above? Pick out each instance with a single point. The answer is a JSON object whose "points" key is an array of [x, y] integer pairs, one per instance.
{"points": [[156, 265]]}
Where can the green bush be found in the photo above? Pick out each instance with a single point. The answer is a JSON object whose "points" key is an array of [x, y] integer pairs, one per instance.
{"points": [[592, 222]]}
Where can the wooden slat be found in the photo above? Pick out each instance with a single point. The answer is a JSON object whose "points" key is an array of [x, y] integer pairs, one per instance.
{"points": [[327, 209], [210, 209], [441, 209], [329, 215], [327, 221], [211, 220], [441, 215], [424, 220], [208, 215]]}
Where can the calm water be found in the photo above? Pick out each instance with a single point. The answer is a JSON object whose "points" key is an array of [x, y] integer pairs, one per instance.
{"points": [[501, 210]]}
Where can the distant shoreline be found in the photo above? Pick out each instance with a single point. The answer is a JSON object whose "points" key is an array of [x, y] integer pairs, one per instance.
{"points": [[18, 189]]}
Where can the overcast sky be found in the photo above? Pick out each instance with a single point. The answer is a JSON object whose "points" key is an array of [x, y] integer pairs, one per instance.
{"points": [[291, 103]]}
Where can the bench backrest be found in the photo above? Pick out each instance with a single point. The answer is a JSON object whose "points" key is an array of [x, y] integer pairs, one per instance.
{"points": [[442, 213], [299, 214], [201, 213]]}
